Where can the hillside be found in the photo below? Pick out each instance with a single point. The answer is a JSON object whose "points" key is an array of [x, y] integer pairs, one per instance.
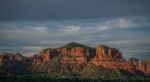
{"points": [[74, 60]]}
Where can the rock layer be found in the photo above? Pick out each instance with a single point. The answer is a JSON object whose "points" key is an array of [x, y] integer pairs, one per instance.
{"points": [[104, 53], [73, 56], [10, 57], [111, 58], [142, 66]]}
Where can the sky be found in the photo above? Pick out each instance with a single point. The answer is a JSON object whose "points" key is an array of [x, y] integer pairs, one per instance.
{"points": [[29, 26]]}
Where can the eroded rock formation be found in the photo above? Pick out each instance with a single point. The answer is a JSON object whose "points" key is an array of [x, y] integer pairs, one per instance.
{"points": [[71, 53], [104, 53], [111, 58], [10, 57], [143, 66], [72, 57]]}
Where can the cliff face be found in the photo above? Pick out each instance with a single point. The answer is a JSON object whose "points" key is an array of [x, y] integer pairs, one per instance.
{"points": [[102, 56], [111, 58], [71, 58], [77, 55], [10, 57], [104, 53], [11, 63], [72, 53], [143, 66]]}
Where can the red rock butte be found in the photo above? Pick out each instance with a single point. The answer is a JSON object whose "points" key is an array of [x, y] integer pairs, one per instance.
{"points": [[102, 56], [74, 53]]}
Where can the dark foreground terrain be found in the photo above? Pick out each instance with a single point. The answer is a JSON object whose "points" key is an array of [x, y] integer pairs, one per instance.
{"points": [[46, 78]]}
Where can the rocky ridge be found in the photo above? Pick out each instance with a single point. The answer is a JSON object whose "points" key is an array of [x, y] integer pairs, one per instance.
{"points": [[71, 58]]}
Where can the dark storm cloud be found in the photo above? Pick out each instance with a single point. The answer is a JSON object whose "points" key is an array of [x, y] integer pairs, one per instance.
{"points": [[71, 9]]}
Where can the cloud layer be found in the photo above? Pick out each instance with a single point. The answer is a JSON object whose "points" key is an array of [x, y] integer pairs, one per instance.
{"points": [[129, 34], [28, 26]]}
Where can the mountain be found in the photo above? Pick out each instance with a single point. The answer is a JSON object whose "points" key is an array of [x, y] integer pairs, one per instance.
{"points": [[74, 59], [73, 44]]}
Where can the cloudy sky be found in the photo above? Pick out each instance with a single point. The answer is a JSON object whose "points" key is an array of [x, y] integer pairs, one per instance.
{"points": [[29, 26]]}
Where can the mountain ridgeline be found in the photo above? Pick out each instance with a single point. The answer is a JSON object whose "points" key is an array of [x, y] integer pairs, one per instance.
{"points": [[76, 60]]}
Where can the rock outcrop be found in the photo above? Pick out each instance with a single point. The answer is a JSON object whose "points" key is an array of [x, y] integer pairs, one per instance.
{"points": [[75, 55], [71, 58], [141, 66], [72, 53], [12, 63], [10, 57], [111, 58], [104, 53]]}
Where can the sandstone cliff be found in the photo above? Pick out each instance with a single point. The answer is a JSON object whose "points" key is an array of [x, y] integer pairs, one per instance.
{"points": [[72, 53], [71, 58], [11, 63], [111, 58], [141, 66], [10, 57]]}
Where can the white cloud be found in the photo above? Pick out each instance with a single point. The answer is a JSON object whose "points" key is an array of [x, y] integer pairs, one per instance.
{"points": [[72, 29], [104, 27], [133, 41], [121, 23], [15, 31], [24, 32], [32, 47]]}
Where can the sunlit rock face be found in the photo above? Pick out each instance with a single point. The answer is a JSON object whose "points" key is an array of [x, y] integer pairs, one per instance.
{"points": [[45, 55], [104, 53], [77, 52], [111, 58], [76, 55], [70, 58], [72, 53], [148, 66]]}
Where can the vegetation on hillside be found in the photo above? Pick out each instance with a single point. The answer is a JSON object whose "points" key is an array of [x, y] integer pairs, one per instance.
{"points": [[48, 78]]}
